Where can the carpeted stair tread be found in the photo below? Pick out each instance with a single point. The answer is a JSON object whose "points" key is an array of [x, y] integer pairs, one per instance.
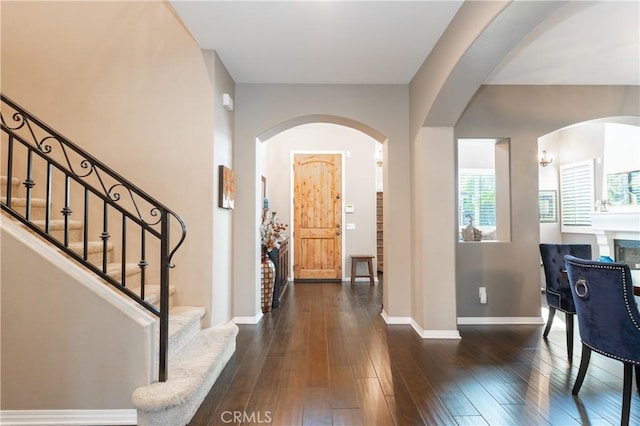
{"points": [[14, 180], [184, 325], [58, 224], [92, 247], [21, 202], [192, 373], [115, 269], [152, 292]]}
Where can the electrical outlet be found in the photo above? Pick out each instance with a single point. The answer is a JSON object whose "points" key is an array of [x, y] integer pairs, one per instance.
{"points": [[483, 295]]}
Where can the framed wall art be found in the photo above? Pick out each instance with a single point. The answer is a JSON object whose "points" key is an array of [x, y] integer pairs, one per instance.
{"points": [[226, 188], [548, 203]]}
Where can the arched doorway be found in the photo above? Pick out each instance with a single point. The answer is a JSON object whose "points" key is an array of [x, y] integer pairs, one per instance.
{"points": [[357, 148]]}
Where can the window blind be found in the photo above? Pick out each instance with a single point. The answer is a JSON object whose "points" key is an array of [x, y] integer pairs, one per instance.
{"points": [[576, 193], [477, 195]]}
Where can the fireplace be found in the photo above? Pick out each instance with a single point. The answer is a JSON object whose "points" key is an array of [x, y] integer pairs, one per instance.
{"points": [[627, 251], [611, 226], [618, 236]]}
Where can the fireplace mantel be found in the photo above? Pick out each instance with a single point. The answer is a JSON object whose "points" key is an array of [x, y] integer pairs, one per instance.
{"points": [[615, 225]]}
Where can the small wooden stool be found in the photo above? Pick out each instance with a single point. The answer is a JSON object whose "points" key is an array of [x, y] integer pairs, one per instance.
{"points": [[355, 258]]}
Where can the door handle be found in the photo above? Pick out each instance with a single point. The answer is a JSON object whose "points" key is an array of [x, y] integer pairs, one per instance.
{"points": [[337, 232]]}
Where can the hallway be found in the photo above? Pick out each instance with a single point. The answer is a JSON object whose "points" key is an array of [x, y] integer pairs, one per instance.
{"points": [[327, 357]]}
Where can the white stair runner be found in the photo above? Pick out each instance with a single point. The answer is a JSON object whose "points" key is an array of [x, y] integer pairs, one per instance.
{"points": [[192, 372]]}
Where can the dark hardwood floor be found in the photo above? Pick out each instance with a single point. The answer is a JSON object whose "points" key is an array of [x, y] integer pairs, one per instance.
{"points": [[326, 357]]}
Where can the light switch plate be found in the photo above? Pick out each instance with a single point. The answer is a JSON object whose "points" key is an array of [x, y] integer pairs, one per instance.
{"points": [[351, 226]]}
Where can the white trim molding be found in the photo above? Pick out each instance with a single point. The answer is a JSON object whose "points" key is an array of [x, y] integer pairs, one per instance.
{"points": [[68, 417], [425, 334], [248, 320], [435, 334], [394, 320], [500, 320], [360, 279]]}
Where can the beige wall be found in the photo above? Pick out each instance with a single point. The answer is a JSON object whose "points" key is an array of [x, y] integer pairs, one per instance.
{"points": [[68, 341], [358, 177], [222, 239], [126, 82], [264, 110], [433, 300]]}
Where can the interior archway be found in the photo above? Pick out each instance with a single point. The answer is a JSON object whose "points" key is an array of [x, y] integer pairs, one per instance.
{"points": [[591, 139], [322, 118], [357, 190], [358, 144]]}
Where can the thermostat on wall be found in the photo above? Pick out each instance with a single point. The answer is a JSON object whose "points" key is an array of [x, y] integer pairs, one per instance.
{"points": [[349, 208]]}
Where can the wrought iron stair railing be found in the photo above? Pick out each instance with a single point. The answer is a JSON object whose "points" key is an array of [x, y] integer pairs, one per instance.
{"points": [[125, 221]]}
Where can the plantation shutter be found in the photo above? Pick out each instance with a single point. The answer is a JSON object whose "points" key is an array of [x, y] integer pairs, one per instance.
{"points": [[576, 193], [477, 199]]}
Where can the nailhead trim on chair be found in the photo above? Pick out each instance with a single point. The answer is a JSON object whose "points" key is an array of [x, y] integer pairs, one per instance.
{"points": [[626, 302], [612, 356]]}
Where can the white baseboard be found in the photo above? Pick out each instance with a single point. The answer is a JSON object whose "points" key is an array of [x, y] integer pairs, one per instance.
{"points": [[360, 279], [394, 320], [500, 320], [68, 417], [425, 334], [248, 320], [435, 334]]}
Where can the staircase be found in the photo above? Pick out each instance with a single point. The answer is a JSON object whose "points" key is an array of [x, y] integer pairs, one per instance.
{"points": [[114, 217]]}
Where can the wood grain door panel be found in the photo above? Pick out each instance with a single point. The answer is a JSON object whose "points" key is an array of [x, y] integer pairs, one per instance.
{"points": [[317, 216]]}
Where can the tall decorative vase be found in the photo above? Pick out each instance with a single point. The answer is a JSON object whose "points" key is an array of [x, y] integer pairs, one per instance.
{"points": [[268, 275], [273, 255]]}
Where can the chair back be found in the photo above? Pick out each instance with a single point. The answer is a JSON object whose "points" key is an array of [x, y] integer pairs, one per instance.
{"points": [[608, 318], [557, 291]]}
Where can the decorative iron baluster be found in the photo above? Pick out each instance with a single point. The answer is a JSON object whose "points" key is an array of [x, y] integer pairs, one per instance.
{"points": [[124, 250], [85, 226], [29, 184], [143, 263], [47, 213], [9, 170], [66, 210], [104, 236]]}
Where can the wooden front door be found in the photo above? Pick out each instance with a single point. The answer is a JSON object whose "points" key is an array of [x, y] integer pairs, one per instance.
{"points": [[317, 207]]}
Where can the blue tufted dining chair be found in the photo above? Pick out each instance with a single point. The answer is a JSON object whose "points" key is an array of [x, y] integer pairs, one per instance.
{"points": [[608, 318], [557, 291]]}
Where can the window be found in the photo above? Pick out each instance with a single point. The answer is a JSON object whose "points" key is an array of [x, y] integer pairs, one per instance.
{"points": [[483, 190], [477, 195], [576, 194]]}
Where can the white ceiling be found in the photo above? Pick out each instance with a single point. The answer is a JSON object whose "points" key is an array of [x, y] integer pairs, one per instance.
{"points": [[385, 42]]}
